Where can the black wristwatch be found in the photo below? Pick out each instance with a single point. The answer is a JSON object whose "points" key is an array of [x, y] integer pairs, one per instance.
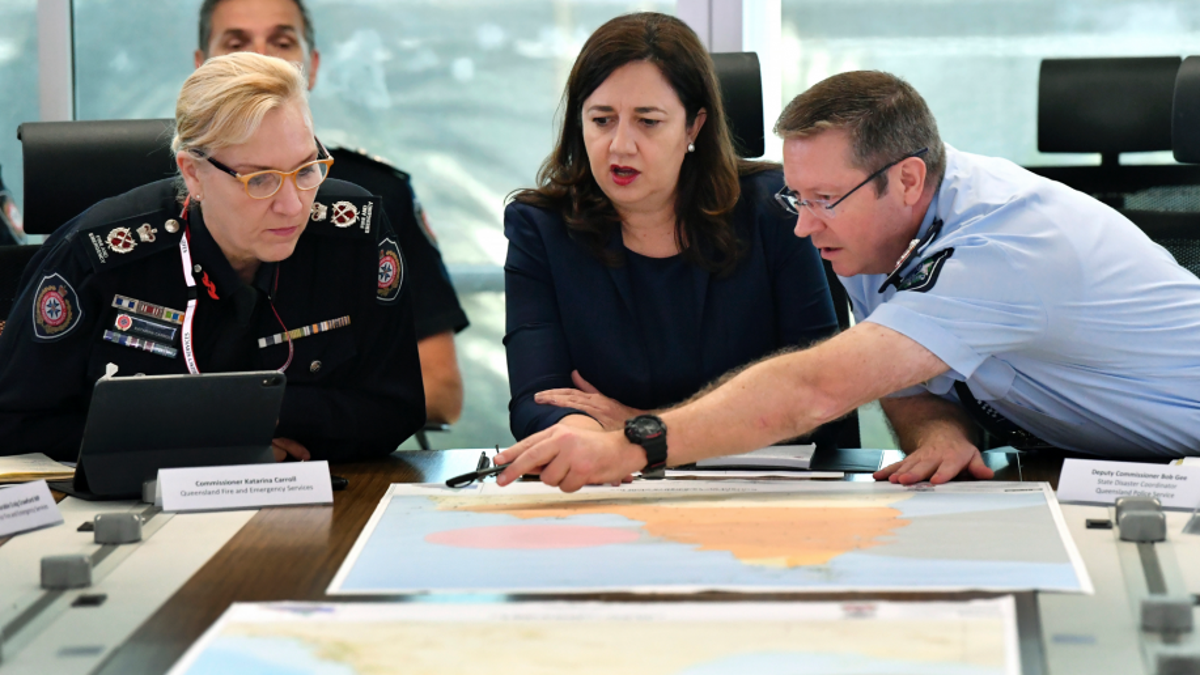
{"points": [[649, 432]]}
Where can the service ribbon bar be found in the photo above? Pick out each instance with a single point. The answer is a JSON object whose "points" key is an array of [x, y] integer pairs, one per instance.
{"points": [[138, 343], [298, 333], [148, 309]]}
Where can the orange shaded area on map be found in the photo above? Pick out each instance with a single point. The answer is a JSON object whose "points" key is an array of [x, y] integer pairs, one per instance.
{"points": [[768, 536]]}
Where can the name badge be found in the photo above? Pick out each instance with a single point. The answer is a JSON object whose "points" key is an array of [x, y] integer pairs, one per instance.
{"points": [[245, 486], [27, 507], [1098, 482]]}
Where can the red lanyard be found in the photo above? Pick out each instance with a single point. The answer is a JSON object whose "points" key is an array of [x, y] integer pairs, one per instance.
{"points": [[185, 255]]}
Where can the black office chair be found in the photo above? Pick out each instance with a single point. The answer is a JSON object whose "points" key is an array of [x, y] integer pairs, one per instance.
{"points": [[1111, 106], [1173, 218], [69, 166], [740, 78]]}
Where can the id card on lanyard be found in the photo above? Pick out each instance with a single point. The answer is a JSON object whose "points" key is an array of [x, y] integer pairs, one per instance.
{"points": [[185, 256]]}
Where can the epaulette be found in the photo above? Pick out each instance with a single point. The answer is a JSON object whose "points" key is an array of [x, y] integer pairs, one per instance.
{"points": [[345, 215], [361, 154], [125, 240]]}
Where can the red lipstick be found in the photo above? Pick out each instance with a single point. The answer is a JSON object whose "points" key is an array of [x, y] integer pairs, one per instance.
{"points": [[623, 175]]}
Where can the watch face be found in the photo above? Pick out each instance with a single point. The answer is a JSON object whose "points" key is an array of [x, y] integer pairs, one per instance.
{"points": [[645, 427]]}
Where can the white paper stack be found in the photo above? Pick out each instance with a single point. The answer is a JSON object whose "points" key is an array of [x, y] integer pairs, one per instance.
{"points": [[34, 466], [788, 457]]}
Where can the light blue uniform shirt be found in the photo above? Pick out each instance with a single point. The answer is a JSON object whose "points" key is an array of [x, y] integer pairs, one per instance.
{"points": [[1056, 310]]}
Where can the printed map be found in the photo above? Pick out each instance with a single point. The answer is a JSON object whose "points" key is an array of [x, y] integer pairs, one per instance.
{"points": [[933, 638], [655, 537]]}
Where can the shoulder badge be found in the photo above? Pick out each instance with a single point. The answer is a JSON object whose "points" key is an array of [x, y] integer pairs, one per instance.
{"points": [[926, 274], [56, 308], [391, 271], [364, 157], [130, 239], [349, 215]]}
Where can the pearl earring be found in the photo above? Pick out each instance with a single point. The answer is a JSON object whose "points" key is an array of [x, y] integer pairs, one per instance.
{"points": [[691, 147]]}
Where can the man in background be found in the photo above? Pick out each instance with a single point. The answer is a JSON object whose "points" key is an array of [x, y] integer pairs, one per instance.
{"points": [[283, 28]]}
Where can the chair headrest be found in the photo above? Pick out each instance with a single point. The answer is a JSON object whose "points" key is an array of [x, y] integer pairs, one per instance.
{"points": [[1185, 113], [741, 92], [69, 166], [1109, 105]]}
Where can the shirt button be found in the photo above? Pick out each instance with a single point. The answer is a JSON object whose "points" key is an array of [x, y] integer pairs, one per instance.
{"points": [[172, 226], [314, 367]]}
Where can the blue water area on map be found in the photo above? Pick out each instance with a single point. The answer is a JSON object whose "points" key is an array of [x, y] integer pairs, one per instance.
{"points": [[263, 656], [397, 557], [791, 663]]}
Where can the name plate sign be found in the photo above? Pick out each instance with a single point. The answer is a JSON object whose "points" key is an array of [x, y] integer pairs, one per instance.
{"points": [[1098, 482], [27, 507], [245, 486]]}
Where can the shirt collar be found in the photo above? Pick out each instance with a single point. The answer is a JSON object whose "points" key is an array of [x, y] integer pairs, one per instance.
{"points": [[207, 254]]}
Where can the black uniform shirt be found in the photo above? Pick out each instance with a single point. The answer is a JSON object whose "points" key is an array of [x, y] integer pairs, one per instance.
{"points": [[435, 305], [354, 383]]}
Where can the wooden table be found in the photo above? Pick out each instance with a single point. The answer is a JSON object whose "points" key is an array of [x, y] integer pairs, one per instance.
{"points": [[293, 553]]}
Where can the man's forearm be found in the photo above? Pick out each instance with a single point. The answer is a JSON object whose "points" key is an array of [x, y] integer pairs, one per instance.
{"points": [[790, 395], [922, 419]]}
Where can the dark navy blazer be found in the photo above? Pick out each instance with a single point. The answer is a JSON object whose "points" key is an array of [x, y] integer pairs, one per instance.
{"points": [[568, 311]]}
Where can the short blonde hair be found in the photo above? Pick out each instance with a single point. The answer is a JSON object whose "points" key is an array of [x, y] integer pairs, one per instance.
{"points": [[224, 101]]}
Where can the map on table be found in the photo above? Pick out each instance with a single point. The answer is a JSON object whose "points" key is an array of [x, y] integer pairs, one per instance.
{"points": [[690, 536], [978, 637]]}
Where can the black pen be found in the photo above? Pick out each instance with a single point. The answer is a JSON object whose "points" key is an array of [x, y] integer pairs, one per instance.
{"points": [[478, 474]]}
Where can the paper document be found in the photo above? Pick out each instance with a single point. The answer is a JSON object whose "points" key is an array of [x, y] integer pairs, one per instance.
{"points": [[720, 474], [773, 457], [33, 466]]}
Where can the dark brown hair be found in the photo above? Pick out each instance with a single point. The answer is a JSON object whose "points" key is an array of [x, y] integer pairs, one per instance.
{"points": [[708, 187], [209, 6], [885, 117]]}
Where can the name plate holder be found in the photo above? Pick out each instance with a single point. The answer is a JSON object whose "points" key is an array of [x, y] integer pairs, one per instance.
{"points": [[27, 507], [1101, 482], [245, 486]]}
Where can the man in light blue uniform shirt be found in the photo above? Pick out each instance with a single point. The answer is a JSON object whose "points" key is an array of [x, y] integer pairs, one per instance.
{"points": [[985, 295], [1057, 311]]}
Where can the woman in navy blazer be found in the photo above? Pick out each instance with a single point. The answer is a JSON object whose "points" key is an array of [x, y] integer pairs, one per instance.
{"points": [[650, 260]]}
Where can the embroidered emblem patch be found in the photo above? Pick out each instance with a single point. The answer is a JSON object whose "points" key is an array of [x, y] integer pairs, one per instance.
{"points": [[146, 233], [319, 212], [391, 271], [345, 214], [55, 308], [121, 240], [926, 274]]}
